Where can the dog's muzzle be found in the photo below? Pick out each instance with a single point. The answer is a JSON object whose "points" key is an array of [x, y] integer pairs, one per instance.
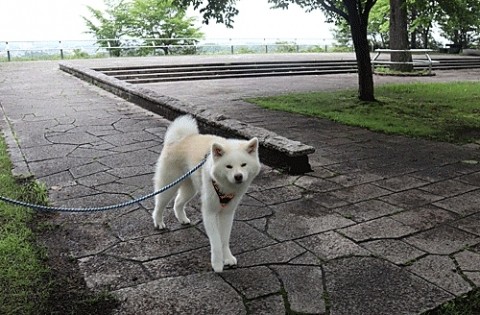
{"points": [[238, 178]]}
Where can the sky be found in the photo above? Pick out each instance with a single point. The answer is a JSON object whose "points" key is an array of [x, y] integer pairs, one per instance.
{"points": [[35, 20]]}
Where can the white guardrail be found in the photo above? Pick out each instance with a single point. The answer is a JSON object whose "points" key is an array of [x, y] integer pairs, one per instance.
{"points": [[125, 47]]}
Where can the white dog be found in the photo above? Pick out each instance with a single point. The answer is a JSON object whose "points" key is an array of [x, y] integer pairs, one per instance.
{"points": [[230, 168]]}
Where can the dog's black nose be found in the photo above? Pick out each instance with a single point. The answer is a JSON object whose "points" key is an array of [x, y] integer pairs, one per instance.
{"points": [[238, 178]]}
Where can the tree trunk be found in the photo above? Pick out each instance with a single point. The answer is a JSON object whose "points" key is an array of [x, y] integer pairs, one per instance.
{"points": [[358, 26], [413, 35], [426, 32], [399, 35]]}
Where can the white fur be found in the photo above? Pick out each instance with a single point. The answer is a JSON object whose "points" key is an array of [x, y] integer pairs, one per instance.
{"points": [[232, 164]]}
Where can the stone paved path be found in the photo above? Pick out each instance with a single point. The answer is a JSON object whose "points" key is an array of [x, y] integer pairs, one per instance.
{"points": [[384, 224]]}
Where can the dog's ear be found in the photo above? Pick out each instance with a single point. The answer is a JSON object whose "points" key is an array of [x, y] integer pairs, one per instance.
{"points": [[252, 146], [217, 150]]}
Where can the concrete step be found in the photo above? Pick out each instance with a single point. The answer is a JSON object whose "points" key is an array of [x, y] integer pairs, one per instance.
{"points": [[208, 71], [218, 71], [166, 73], [222, 66], [232, 74]]}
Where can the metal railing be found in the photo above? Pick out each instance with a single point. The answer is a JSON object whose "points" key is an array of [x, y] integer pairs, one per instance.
{"points": [[159, 46]]}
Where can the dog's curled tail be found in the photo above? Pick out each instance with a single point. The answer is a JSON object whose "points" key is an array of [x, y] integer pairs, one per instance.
{"points": [[180, 128]]}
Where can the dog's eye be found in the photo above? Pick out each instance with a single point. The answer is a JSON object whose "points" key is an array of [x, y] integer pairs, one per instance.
{"points": [[229, 166], [243, 165]]}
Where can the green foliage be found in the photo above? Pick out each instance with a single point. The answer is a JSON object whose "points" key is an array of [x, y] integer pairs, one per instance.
{"points": [[378, 24], [222, 11], [341, 33], [440, 111], [23, 289], [341, 48], [464, 305], [244, 50], [460, 21], [388, 71], [109, 26], [158, 23], [162, 23], [79, 54], [286, 47], [313, 49]]}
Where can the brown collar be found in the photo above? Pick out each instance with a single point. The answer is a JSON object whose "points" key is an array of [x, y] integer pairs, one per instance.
{"points": [[223, 198]]}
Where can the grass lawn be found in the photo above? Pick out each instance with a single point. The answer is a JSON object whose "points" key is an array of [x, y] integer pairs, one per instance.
{"points": [[438, 111], [465, 305], [32, 279], [23, 285]]}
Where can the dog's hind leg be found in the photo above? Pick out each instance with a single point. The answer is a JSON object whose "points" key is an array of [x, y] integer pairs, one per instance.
{"points": [[185, 193]]}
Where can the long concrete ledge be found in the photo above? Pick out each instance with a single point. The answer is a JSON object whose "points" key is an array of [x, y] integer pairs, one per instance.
{"points": [[275, 150]]}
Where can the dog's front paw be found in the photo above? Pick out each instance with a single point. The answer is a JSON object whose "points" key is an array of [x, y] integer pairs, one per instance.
{"points": [[184, 221], [217, 267], [159, 225], [231, 261]]}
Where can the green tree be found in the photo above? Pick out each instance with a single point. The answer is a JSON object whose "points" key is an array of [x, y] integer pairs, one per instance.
{"points": [[341, 33], [420, 21], [422, 15], [460, 20], [355, 12], [378, 25], [146, 23], [162, 24], [109, 26]]}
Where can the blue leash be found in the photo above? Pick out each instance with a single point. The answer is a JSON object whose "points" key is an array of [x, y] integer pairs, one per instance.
{"points": [[105, 208]]}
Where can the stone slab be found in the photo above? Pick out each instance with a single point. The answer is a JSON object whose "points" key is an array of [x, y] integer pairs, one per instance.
{"points": [[104, 273], [271, 305], [331, 245], [464, 204], [370, 286], [384, 227], [441, 271], [442, 240], [411, 198], [424, 217], [194, 294], [396, 251], [448, 188], [253, 282], [401, 183], [470, 224], [360, 193], [301, 218], [468, 260], [159, 245], [304, 288], [367, 210], [273, 254], [186, 263]]}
